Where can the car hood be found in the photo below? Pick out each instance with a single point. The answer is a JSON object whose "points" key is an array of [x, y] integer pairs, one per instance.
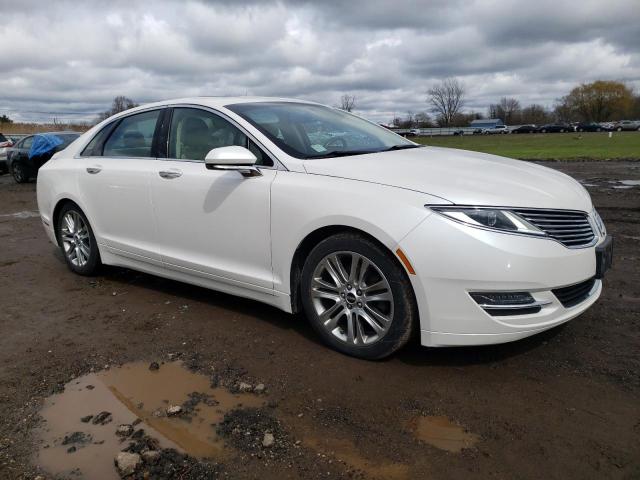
{"points": [[461, 177]]}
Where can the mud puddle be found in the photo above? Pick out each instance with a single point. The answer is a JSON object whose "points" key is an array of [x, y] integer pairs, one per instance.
{"points": [[99, 414], [614, 184], [442, 433], [22, 215]]}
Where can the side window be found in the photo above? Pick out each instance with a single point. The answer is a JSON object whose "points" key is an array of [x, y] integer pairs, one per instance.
{"points": [[133, 136], [194, 132], [27, 142]]}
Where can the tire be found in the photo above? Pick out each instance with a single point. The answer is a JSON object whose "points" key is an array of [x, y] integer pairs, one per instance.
{"points": [[619, 129], [544, 130], [19, 173], [78, 245], [325, 291]]}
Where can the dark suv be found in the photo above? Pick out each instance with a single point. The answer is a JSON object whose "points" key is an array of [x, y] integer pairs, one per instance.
{"points": [[29, 154]]}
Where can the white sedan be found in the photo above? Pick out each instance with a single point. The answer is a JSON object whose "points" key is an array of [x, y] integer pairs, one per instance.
{"points": [[306, 207]]}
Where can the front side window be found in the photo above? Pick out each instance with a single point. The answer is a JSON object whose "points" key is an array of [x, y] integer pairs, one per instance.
{"points": [[195, 132], [314, 131], [133, 137]]}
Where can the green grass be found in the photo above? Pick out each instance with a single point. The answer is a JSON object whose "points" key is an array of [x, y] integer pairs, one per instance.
{"points": [[563, 146]]}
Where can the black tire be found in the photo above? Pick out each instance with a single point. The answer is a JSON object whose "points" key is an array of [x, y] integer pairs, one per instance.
{"points": [[405, 310], [19, 173], [93, 262]]}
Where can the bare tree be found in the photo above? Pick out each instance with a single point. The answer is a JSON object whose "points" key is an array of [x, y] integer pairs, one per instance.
{"points": [[446, 100], [347, 102], [120, 104], [507, 110]]}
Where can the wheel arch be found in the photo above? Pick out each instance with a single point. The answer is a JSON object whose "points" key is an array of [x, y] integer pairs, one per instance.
{"points": [[60, 203], [312, 239]]}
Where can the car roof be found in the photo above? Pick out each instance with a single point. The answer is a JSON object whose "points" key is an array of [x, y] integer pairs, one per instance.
{"points": [[215, 102]]}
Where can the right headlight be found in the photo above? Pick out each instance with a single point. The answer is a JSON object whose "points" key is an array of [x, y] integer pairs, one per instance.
{"points": [[499, 219]]}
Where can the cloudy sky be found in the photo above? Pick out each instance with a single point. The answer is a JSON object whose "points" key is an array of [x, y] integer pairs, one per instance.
{"points": [[69, 59]]}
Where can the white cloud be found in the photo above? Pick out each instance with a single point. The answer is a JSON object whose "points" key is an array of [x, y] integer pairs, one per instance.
{"points": [[386, 53]]}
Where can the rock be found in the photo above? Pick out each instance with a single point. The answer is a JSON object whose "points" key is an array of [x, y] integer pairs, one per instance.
{"points": [[71, 449], [268, 440], [244, 387], [124, 430], [86, 419], [39, 477], [259, 388], [154, 366], [151, 456], [102, 418], [174, 410], [127, 463]]}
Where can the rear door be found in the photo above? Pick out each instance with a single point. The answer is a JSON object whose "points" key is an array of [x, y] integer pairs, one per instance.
{"points": [[114, 180]]}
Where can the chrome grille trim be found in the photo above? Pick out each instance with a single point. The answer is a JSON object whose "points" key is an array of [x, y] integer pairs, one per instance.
{"points": [[570, 228]]}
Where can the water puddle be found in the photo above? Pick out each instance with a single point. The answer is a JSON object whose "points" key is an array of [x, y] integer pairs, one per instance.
{"points": [[98, 414], [25, 214], [442, 433], [614, 184]]}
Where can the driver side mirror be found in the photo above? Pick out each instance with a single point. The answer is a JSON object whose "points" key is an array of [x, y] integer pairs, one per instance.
{"points": [[235, 158]]}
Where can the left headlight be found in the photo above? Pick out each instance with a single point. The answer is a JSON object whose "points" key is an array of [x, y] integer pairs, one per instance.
{"points": [[492, 218]]}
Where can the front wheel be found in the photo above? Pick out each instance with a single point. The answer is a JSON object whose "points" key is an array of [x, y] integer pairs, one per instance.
{"points": [[358, 297], [77, 241]]}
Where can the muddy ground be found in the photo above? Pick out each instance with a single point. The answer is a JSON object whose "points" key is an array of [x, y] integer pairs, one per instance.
{"points": [[563, 404]]}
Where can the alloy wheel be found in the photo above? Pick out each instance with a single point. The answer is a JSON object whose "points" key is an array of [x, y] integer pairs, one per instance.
{"points": [[352, 298], [74, 234]]}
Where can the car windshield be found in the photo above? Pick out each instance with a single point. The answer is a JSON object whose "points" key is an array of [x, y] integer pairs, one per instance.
{"points": [[314, 131]]}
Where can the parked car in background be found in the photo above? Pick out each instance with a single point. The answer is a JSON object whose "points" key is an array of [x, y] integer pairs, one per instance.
{"points": [[5, 144], [555, 128], [30, 153], [525, 129], [627, 125], [589, 127], [495, 130], [460, 247]]}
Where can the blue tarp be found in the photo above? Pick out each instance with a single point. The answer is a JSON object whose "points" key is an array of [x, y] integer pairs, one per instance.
{"points": [[44, 143]]}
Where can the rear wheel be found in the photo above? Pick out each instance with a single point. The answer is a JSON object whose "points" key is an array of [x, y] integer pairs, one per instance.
{"points": [[77, 241], [19, 173], [357, 297]]}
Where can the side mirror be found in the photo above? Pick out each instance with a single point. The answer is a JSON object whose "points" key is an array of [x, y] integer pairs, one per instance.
{"points": [[234, 158]]}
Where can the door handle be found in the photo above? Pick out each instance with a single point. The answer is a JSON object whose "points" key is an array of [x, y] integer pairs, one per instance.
{"points": [[94, 170], [169, 174]]}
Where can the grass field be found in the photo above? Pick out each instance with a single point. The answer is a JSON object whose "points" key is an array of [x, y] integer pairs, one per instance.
{"points": [[561, 146]]}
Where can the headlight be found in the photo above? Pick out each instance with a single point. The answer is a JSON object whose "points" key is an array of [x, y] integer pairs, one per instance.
{"points": [[492, 218], [602, 230]]}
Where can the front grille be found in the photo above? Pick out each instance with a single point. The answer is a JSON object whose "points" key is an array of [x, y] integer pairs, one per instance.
{"points": [[574, 294], [570, 228]]}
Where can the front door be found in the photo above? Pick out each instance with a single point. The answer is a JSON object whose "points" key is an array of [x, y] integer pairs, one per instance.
{"points": [[212, 223]]}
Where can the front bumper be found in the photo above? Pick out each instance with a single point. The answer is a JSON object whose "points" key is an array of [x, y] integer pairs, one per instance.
{"points": [[452, 259]]}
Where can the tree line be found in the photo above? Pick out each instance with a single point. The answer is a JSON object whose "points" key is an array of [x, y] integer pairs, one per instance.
{"points": [[599, 101]]}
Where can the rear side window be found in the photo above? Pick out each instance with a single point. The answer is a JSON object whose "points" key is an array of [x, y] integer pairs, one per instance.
{"points": [[133, 137]]}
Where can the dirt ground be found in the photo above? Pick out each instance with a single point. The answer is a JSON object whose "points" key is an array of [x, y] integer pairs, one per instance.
{"points": [[563, 404]]}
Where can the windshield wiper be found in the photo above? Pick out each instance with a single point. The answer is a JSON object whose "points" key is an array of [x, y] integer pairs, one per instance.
{"points": [[341, 153], [401, 147]]}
